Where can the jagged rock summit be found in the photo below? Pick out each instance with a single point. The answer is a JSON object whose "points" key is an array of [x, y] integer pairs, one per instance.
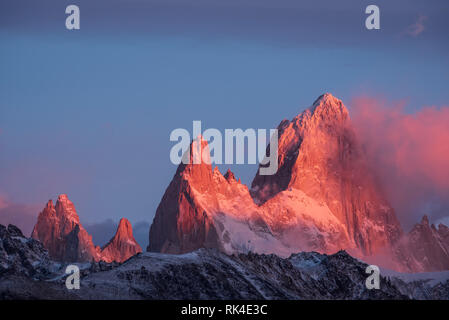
{"points": [[59, 229], [425, 247], [62, 234], [320, 155], [323, 198], [122, 246], [203, 209]]}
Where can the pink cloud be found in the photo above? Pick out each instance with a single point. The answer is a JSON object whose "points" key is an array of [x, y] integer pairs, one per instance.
{"points": [[409, 152], [3, 202], [418, 27], [20, 215]]}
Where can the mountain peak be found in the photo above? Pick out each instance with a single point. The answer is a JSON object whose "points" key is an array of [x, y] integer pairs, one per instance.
{"points": [[66, 208], [425, 220], [229, 176], [311, 136], [63, 197], [123, 245], [198, 170], [327, 104], [197, 155], [125, 228], [327, 96], [426, 247], [59, 229], [318, 153], [50, 206]]}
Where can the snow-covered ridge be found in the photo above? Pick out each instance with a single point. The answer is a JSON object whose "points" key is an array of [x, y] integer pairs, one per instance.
{"points": [[26, 272]]}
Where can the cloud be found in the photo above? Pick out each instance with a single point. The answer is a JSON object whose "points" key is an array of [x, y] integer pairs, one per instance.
{"points": [[409, 153], [21, 215], [3, 202], [418, 27]]}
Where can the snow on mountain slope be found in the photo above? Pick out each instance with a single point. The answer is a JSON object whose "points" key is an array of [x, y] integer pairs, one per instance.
{"points": [[324, 197], [26, 272], [210, 274], [303, 224], [202, 208]]}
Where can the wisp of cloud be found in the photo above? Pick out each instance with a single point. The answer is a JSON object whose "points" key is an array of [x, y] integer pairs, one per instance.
{"points": [[409, 153]]}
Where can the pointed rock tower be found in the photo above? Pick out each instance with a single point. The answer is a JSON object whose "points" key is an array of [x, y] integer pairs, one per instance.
{"points": [[319, 154], [122, 246], [181, 223], [59, 229], [203, 209], [425, 248]]}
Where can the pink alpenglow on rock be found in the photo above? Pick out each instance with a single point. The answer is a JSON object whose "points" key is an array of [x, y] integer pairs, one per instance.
{"points": [[324, 197], [320, 155], [59, 229], [122, 246], [425, 248]]}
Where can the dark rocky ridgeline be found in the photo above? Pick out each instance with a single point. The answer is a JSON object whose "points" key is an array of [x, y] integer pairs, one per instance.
{"points": [[310, 275], [26, 272], [24, 268], [210, 274], [22, 256], [424, 289]]}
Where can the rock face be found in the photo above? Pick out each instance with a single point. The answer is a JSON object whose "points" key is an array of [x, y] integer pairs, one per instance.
{"points": [[185, 218], [425, 247], [181, 223], [122, 246], [319, 154], [203, 209], [323, 198], [59, 229]]}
